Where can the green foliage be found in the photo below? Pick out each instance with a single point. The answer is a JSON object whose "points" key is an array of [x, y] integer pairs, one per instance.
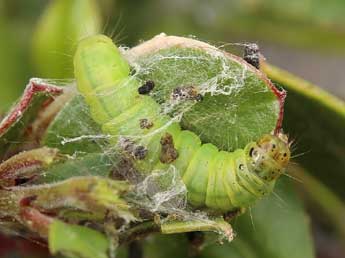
{"points": [[14, 128], [61, 26], [93, 164], [74, 121], [13, 65], [305, 24], [77, 241], [277, 226], [238, 105]]}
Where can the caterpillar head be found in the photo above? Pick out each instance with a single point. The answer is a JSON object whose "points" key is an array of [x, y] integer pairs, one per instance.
{"points": [[270, 155]]}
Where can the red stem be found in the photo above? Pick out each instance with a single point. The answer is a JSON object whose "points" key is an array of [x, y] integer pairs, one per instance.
{"points": [[281, 94], [31, 89]]}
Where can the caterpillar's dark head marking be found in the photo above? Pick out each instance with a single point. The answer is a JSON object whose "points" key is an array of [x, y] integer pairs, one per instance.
{"points": [[270, 156], [252, 55], [146, 88]]}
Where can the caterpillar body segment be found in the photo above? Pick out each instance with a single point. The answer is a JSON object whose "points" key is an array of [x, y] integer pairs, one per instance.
{"points": [[100, 67], [217, 180], [196, 183]]}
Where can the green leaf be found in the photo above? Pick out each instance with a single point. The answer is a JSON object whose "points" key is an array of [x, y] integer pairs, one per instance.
{"points": [[322, 202], [15, 127], [77, 241], [73, 130], [61, 26], [238, 104], [312, 24], [277, 226], [316, 119], [13, 63], [239, 248], [93, 164], [309, 24]]}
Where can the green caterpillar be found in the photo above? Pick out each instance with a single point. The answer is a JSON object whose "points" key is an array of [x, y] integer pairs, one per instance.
{"points": [[216, 180]]}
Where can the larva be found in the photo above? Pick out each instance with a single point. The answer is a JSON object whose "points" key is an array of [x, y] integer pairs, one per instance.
{"points": [[216, 180]]}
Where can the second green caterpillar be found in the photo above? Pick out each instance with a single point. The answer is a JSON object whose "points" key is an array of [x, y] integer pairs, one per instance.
{"points": [[216, 180]]}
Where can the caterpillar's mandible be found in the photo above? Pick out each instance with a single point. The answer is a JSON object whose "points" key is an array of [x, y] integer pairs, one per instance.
{"points": [[216, 180]]}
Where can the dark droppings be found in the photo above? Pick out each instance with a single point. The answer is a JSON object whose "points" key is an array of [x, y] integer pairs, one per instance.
{"points": [[146, 88], [252, 55], [168, 151], [145, 123], [186, 93], [139, 152], [125, 170], [136, 151]]}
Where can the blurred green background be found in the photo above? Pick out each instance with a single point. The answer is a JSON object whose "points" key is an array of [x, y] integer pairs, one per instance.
{"points": [[306, 38]]}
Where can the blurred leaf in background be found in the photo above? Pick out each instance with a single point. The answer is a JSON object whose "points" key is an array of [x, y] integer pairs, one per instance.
{"points": [[14, 65], [307, 37], [40, 44], [61, 26], [278, 26], [312, 23]]}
